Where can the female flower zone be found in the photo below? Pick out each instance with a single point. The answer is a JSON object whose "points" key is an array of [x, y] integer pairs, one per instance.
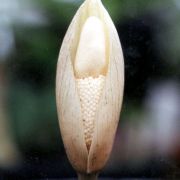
{"points": [[89, 88]]}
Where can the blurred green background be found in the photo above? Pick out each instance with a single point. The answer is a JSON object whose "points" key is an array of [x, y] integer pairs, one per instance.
{"points": [[147, 142]]}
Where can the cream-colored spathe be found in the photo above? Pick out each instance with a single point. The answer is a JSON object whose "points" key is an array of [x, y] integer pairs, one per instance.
{"points": [[69, 105]]}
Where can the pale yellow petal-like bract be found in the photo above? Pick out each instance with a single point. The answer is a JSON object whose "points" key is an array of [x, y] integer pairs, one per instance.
{"points": [[89, 87]]}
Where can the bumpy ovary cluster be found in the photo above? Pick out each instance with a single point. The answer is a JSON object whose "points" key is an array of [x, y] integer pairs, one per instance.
{"points": [[90, 90]]}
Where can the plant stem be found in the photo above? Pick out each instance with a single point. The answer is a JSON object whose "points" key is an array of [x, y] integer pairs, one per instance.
{"points": [[87, 176]]}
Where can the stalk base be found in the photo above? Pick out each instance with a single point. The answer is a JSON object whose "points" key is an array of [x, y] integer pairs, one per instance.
{"points": [[87, 176]]}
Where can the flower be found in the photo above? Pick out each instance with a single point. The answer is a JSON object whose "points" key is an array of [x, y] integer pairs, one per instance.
{"points": [[89, 87]]}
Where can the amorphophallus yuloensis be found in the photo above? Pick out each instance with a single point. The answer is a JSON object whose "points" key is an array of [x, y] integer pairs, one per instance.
{"points": [[89, 88]]}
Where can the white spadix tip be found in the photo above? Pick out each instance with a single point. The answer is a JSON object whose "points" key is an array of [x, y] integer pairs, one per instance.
{"points": [[91, 52]]}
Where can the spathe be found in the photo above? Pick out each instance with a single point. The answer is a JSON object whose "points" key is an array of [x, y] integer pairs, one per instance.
{"points": [[68, 102]]}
